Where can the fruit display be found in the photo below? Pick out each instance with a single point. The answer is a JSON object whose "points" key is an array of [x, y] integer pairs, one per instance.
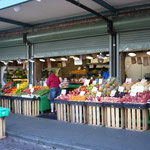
{"points": [[139, 98], [79, 71], [78, 97], [108, 86], [127, 86], [41, 92]]}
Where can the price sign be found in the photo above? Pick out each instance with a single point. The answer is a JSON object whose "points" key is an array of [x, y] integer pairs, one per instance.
{"points": [[128, 80], [30, 86], [121, 89], [133, 93], [100, 81], [63, 92], [87, 82], [17, 86], [32, 90], [99, 94], [94, 82], [139, 88], [143, 81], [113, 92], [45, 83], [94, 89], [82, 93]]}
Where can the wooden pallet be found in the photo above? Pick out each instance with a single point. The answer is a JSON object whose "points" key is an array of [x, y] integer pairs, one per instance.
{"points": [[30, 108], [2, 128], [136, 119], [95, 115], [114, 117]]}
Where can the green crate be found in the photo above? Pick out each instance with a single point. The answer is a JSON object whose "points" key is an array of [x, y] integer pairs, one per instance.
{"points": [[4, 112]]}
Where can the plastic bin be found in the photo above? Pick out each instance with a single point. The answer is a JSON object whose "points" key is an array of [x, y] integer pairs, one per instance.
{"points": [[4, 112]]}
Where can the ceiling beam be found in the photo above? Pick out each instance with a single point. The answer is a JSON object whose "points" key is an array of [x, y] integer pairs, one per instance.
{"points": [[106, 5], [15, 22], [89, 10]]}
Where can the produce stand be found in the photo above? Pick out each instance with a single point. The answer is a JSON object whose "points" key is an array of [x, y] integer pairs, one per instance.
{"points": [[21, 105], [114, 115], [3, 114]]}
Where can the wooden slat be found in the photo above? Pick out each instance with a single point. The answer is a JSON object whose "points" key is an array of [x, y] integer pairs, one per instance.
{"points": [[94, 115], [64, 112], [138, 119], [77, 113], [108, 117], [61, 114], [4, 126], [98, 115], [129, 118], [33, 108], [90, 115], [117, 117], [1, 128], [68, 113], [145, 121], [38, 108], [73, 113], [59, 111], [113, 117], [133, 119], [84, 114], [122, 117], [126, 118], [80, 113]]}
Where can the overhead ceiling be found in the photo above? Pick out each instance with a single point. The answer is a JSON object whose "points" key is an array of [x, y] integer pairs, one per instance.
{"points": [[34, 12]]}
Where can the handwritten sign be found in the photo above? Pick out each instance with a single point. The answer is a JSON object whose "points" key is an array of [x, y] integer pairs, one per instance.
{"points": [[99, 94], [113, 92], [121, 89], [100, 81], [87, 82], [82, 93], [63, 91], [94, 89], [128, 80]]}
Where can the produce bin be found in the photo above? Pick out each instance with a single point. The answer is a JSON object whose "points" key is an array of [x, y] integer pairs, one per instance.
{"points": [[44, 103], [4, 112], [136, 117], [114, 115], [95, 113]]}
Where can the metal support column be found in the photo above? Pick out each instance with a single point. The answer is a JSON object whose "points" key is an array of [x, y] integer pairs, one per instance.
{"points": [[30, 64], [113, 55]]}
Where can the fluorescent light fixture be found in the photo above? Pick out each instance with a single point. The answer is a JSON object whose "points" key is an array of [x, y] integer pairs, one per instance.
{"points": [[71, 56], [105, 58], [17, 8], [4, 62], [52, 59], [42, 60], [89, 57], [64, 59], [19, 61], [31, 60], [38, 0], [107, 55], [132, 54], [10, 61], [76, 58], [148, 53]]}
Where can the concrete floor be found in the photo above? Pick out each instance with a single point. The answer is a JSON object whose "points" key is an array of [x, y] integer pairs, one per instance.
{"points": [[69, 136]]}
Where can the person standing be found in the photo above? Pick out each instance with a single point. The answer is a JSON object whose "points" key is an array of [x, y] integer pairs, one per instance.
{"points": [[53, 83]]}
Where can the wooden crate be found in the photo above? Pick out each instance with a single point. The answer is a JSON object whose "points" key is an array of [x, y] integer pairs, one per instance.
{"points": [[63, 111], [17, 106], [2, 127], [114, 117], [78, 113], [95, 114], [30, 108], [136, 119], [6, 103]]}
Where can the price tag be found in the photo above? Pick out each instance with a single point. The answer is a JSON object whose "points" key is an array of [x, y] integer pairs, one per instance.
{"points": [[128, 80], [99, 94], [113, 92], [82, 93], [94, 89], [121, 89], [30, 86], [139, 88], [63, 91], [133, 93], [17, 86], [32, 90], [143, 80], [87, 82], [94, 82], [91, 66], [100, 81]]}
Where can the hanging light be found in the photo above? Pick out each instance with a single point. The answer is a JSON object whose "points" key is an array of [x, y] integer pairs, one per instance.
{"points": [[76, 58], [30, 60], [132, 54], [52, 59], [10, 61], [71, 56], [42, 60], [19, 61], [89, 57], [64, 59], [107, 55], [148, 53], [17, 8]]}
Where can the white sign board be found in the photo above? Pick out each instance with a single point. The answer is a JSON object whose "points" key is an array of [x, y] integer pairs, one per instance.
{"points": [[133, 93], [121, 89], [99, 94], [63, 91], [94, 89], [113, 92], [94, 82], [30, 86], [143, 80], [86, 82], [32, 90], [82, 93], [100, 81], [128, 80]]}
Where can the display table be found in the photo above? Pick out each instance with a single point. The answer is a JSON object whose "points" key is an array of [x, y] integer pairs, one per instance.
{"points": [[114, 115]]}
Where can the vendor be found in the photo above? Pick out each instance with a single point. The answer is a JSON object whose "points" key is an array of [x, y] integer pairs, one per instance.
{"points": [[53, 83], [105, 74]]}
